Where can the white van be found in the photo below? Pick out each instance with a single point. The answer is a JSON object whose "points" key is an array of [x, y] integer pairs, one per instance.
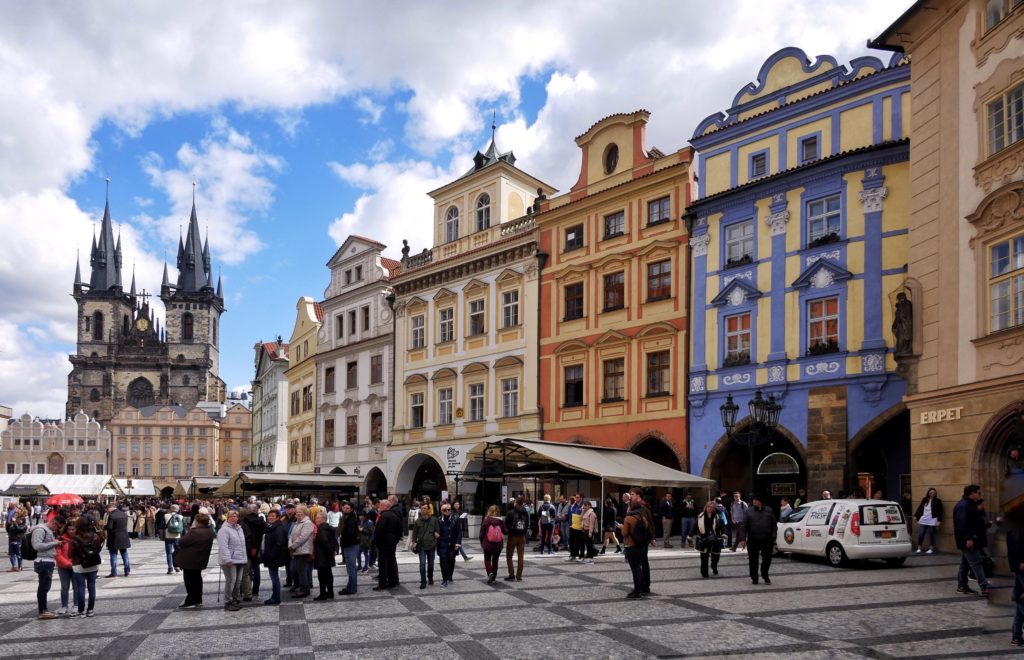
{"points": [[847, 529]]}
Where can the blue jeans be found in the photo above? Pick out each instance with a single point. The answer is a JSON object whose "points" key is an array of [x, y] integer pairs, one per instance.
{"points": [[82, 582], [971, 558], [124, 558], [1018, 616], [364, 558], [427, 565], [688, 525], [14, 553], [922, 530], [170, 545], [66, 576], [44, 569], [275, 583], [351, 554]]}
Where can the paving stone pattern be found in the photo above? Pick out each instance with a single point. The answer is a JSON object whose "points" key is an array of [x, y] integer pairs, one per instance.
{"points": [[560, 610]]}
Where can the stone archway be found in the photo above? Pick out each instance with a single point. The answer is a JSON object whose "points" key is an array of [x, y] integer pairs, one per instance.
{"points": [[376, 483], [879, 455], [420, 474], [1001, 482], [728, 462], [654, 447]]}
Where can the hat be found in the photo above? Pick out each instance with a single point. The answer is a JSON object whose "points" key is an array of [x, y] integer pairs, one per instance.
{"points": [[289, 506]]}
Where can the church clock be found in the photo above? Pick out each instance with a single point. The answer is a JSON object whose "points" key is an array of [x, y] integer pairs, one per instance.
{"points": [[142, 324]]}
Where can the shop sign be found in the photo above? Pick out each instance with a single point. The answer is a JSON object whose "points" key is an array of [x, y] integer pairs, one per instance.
{"points": [[452, 458], [783, 489], [940, 415]]}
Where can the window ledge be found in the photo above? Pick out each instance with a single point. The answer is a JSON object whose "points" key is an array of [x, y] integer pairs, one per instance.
{"points": [[444, 343], [608, 237], [659, 222], [572, 405], [512, 327], [613, 309], [656, 395], [999, 335], [658, 298], [571, 318], [476, 334], [572, 249], [613, 399]]}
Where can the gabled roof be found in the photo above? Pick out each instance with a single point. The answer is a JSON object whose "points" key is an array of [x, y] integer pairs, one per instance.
{"points": [[339, 254], [319, 311], [735, 292], [820, 274]]}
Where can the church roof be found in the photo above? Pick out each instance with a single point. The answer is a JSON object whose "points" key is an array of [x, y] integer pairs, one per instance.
{"points": [[193, 259], [105, 259]]}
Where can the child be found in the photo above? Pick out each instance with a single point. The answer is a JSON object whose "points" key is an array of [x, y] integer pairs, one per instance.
{"points": [[365, 541]]}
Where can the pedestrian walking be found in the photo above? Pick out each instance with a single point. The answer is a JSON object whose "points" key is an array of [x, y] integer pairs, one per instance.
{"points": [[970, 531], [760, 532], [576, 528], [637, 534], [589, 531], [688, 511], [386, 537], [351, 546], [563, 519], [517, 524], [64, 567], [738, 521], [929, 518], [232, 559], [86, 556], [492, 539], [174, 525], [547, 514], [423, 541], [609, 518], [253, 527], [448, 543], [668, 513], [325, 553], [365, 542], [463, 519], [117, 539], [16, 529], [193, 557], [708, 532], [45, 543]]}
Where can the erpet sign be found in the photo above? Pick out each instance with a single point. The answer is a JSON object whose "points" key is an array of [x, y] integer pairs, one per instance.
{"points": [[940, 415]]}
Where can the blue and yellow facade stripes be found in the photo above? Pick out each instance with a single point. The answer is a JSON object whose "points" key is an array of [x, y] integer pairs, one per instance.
{"points": [[799, 246]]}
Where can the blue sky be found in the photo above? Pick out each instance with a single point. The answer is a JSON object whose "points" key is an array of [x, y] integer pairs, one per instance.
{"points": [[303, 123]]}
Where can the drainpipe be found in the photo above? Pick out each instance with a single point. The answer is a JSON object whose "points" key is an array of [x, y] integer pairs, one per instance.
{"points": [[542, 260], [390, 300], [690, 219]]}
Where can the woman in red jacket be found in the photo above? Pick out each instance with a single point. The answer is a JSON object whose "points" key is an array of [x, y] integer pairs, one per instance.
{"points": [[492, 539], [64, 569]]}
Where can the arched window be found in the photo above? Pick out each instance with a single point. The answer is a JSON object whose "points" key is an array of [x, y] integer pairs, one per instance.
{"points": [[187, 329], [451, 225], [483, 212], [94, 394], [97, 325]]}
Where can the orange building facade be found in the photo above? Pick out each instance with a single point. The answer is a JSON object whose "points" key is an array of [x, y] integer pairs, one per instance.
{"points": [[613, 308]]}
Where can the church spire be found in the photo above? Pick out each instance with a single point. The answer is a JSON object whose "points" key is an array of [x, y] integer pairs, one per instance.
{"points": [[105, 260], [131, 293], [78, 273], [220, 287], [192, 275]]}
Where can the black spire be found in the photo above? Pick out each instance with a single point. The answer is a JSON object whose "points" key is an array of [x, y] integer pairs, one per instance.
{"points": [[192, 275], [492, 154], [77, 287], [105, 260]]}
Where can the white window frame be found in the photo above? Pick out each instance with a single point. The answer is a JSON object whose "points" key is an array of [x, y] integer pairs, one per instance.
{"points": [[477, 412], [445, 406], [1006, 276], [510, 397], [823, 319], [825, 217], [483, 212], [510, 308], [451, 224], [418, 331], [446, 330], [1004, 119], [477, 311], [739, 240], [416, 402], [739, 334]]}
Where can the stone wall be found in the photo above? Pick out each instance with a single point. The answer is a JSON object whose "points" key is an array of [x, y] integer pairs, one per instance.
{"points": [[826, 439]]}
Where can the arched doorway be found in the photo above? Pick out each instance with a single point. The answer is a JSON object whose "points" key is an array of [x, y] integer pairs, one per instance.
{"points": [[376, 483], [421, 474], [999, 475], [880, 460], [657, 451], [729, 465], [167, 492]]}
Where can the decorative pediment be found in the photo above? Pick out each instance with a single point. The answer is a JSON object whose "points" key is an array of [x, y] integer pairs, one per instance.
{"points": [[1000, 209], [444, 294], [415, 303], [610, 261], [508, 361], [572, 346], [658, 247], [444, 374], [659, 328], [415, 379], [821, 274], [474, 286], [611, 337], [474, 367], [509, 276], [736, 292], [572, 272]]}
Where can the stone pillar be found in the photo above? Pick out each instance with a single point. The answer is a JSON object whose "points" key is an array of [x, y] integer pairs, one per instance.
{"points": [[826, 440]]}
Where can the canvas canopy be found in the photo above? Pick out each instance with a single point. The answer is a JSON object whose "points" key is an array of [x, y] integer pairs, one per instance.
{"points": [[140, 487], [86, 485], [287, 483], [198, 486], [613, 465]]}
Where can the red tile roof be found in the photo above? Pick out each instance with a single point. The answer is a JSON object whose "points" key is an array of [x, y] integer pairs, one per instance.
{"points": [[319, 312], [368, 240], [393, 267]]}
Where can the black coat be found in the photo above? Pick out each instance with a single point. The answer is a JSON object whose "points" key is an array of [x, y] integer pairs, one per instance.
{"points": [[389, 529], [936, 510], [254, 528], [451, 535], [193, 551], [969, 524], [117, 530], [325, 546], [275, 545], [348, 530]]}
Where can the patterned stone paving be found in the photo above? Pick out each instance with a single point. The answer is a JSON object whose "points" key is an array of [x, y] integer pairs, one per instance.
{"points": [[559, 610]]}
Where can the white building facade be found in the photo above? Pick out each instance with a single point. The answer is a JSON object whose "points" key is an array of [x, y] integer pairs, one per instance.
{"points": [[270, 405]]}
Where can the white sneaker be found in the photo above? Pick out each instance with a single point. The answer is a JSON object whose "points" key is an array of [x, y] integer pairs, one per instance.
{"points": [[918, 551], [64, 611], [931, 551]]}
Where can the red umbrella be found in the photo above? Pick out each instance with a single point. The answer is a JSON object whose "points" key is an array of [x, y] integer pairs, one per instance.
{"points": [[64, 499]]}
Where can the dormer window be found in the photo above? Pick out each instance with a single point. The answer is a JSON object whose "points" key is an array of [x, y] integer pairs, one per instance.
{"points": [[451, 225], [483, 212], [611, 158]]}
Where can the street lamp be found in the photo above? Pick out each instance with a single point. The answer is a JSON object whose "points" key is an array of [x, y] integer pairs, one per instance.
{"points": [[764, 419]]}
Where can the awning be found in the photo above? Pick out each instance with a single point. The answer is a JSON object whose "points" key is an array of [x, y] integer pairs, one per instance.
{"points": [[26, 490], [615, 465], [198, 486], [86, 485], [287, 483], [140, 487]]}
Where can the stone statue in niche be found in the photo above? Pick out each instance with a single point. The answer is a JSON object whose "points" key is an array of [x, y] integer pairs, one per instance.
{"points": [[903, 325]]}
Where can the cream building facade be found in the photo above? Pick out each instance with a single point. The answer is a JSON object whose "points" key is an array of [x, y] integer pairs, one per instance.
{"points": [[466, 313], [74, 446], [354, 364], [301, 376], [235, 440], [270, 404]]}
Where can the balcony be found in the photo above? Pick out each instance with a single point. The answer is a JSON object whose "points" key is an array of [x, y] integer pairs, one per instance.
{"points": [[470, 242]]}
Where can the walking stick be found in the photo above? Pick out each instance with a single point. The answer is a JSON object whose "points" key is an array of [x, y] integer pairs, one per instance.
{"points": [[219, 573]]}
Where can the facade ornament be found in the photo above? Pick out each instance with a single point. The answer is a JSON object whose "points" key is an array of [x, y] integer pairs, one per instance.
{"points": [[831, 255], [872, 363], [737, 296], [872, 199], [699, 245], [821, 368], [697, 384], [822, 279], [736, 379], [903, 325], [776, 373], [531, 272], [777, 221]]}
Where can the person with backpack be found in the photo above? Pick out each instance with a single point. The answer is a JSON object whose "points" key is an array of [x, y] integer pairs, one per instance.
{"points": [[637, 532], [16, 529], [517, 523], [546, 524], [174, 526], [41, 547], [563, 517], [492, 538], [86, 557]]}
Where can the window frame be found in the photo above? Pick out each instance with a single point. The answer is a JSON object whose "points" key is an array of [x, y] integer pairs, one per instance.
{"points": [[665, 277], [735, 358], [801, 146], [451, 224], [510, 308], [417, 407], [477, 317], [352, 375], [446, 326], [351, 430], [1007, 117], [376, 369], [613, 380], [510, 397], [762, 156], [826, 216], [418, 328], [329, 381], [483, 212], [445, 406], [577, 243], [329, 433], [1014, 300], [619, 220], [825, 345], [1006, 7], [576, 383], [477, 402], [664, 370], [573, 301], [664, 210], [619, 286]]}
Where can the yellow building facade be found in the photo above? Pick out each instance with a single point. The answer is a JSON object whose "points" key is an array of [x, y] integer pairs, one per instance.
{"points": [[301, 377]]}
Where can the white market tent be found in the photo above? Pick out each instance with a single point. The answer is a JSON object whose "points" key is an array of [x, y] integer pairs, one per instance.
{"points": [[140, 487], [197, 486], [85, 485], [287, 483]]}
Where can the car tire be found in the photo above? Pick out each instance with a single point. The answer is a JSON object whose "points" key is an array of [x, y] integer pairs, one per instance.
{"points": [[835, 554], [896, 562]]}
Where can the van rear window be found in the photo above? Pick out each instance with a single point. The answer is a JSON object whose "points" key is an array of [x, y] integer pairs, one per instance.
{"points": [[881, 514]]}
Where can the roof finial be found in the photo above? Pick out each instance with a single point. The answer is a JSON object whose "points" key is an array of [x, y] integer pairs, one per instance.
{"points": [[193, 191], [107, 179], [494, 124]]}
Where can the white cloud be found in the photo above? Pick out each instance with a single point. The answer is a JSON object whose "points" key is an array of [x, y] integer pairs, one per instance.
{"points": [[372, 110], [380, 150], [34, 381]]}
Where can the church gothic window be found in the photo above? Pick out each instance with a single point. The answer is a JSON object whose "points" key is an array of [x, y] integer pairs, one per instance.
{"points": [[187, 328], [140, 393], [97, 326], [94, 395]]}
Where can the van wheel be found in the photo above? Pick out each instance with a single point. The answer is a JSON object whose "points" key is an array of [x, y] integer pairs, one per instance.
{"points": [[896, 561], [836, 555]]}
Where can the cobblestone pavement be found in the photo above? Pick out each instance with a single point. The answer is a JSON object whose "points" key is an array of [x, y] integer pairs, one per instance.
{"points": [[559, 610]]}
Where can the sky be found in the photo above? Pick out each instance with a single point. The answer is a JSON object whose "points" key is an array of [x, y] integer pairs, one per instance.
{"points": [[301, 123]]}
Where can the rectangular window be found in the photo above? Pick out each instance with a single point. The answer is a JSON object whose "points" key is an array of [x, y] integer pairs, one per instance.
{"points": [[352, 375], [376, 369], [446, 319], [24, 468], [997, 10], [739, 243], [614, 291], [574, 238], [11, 470], [189, 470], [823, 218], [177, 449], [41, 469], [658, 373], [328, 433], [147, 470], [339, 323], [418, 335], [307, 398], [1006, 119], [758, 165], [574, 301], [574, 385], [510, 309], [1006, 284], [163, 449], [190, 448], [614, 224], [351, 430], [69, 468], [476, 402], [376, 427], [444, 406], [808, 149], [659, 280], [737, 339], [351, 323], [329, 380], [476, 317], [614, 379], [85, 468], [348, 276], [416, 410], [823, 326], [121, 469], [359, 273], [294, 403], [202, 469], [100, 468], [366, 318], [658, 211], [147, 449], [202, 449], [509, 397]]}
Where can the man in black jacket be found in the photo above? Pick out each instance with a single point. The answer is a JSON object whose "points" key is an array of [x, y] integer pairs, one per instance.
{"points": [[971, 533], [761, 528], [275, 553], [254, 528], [117, 539], [517, 522], [348, 535], [386, 537]]}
